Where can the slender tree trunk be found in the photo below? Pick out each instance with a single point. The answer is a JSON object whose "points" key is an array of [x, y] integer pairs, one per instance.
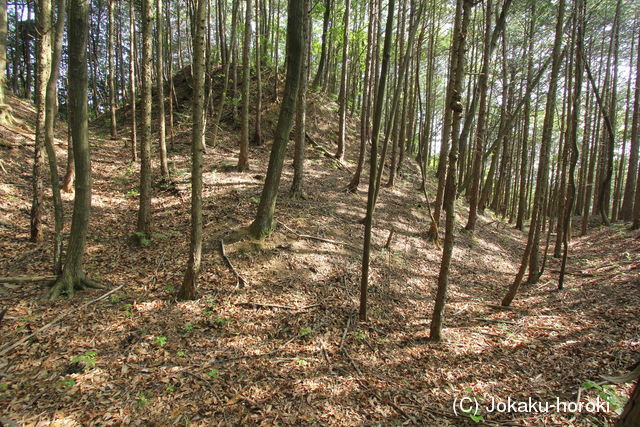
{"points": [[132, 80], [366, 100], [73, 277], [243, 159], [630, 186], [572, 137], [455, 82], [257, 134], [342, 97], [51, 110], [164, 165], [476, 168], [301, 106], [189, 283], [323, 49], [543, 166], [43, 70], [111, 77], [143, 229], [263, 223], [375, 134]]}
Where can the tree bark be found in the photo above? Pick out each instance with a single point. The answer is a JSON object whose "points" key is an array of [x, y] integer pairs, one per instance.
{"points": [[143, 229], [243, 159], [73, 277], [263, 223], [111, 76], [164, 165], [189, 283], [42, 76], [342, 97]]}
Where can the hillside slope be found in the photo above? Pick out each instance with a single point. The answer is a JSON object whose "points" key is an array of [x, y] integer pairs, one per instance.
{"points": [[287, 348]]}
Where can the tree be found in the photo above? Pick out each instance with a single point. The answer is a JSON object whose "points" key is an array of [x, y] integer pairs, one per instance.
{"points": [[328, 4], [463, 8], [342, 97], [243, 158], [132, 81], [42, 76], [296, 190], [162, 142], [630, 187], [73, 277], [189, 283], [112, 84], [51, 110], [263, 223], [143, 229], [375, 134], [4, 108], [533, 238]]}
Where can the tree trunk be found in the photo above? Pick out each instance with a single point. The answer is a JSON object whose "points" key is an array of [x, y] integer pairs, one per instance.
{"points": [[164, 165], [263, 223], [323, 48], [189, 283], [132, 80], [257, 134], [243, 159], [111, 77], [543, 166], [43, 71], [301, 107], [463, 8], [143, 229], [49, 123], [73, 277], [375, 134], [342, 97], [630, 186]]}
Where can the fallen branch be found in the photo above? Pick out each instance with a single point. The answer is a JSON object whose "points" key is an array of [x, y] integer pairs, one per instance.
{"points": [[319, 239], [622, 379], [254, 356], [283, 307], [27, 279], [344, 334], [4, 350], [240, 282], [326, 152]]}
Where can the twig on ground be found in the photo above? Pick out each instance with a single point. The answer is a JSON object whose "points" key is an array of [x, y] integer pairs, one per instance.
{"points": [[240, 282], [6, 349], [283, 307], [344, 334], [319, 239], [27, 279], [254, 356]]}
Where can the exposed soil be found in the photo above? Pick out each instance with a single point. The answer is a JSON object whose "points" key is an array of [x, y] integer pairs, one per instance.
{"points": [[287, 348]]}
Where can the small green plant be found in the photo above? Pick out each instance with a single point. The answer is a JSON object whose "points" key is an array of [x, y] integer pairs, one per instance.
{"points": [[213, 374], [3, 388], [222, 321], [304, 332], [188, 327], [65, 384], [212, 303], [473, 413], [254, 200], [115, 299], [302, 362], [360, 335], [161, 341], [608, 394], [170, 389], [88, 359], [142, 400], [181, 353], [142, 238], [169, 288]]}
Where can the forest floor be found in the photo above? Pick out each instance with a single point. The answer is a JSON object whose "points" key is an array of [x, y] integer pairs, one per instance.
{"points": [[287, 347]]}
